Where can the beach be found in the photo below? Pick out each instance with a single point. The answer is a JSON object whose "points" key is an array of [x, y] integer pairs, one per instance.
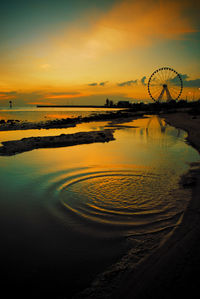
{"points": [[166, 267], [100, 149]]}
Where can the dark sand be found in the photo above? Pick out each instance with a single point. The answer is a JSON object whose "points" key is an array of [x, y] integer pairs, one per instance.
{"points": [[14, 147], [173, 269]]}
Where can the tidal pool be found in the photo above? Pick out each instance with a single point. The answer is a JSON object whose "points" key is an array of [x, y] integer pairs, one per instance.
{"points": [[67, 214]]}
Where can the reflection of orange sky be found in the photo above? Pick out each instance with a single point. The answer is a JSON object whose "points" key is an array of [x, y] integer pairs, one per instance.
{"points": [[129, 146], [57, 116], [109, 154]]}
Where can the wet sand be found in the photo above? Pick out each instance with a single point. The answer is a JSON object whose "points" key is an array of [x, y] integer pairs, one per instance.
{"points": [[172, 271]]}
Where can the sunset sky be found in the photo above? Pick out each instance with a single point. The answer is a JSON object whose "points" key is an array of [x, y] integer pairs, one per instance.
{"points": [[84, 51]]}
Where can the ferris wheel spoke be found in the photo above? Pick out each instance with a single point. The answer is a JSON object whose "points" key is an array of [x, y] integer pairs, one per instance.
{"points": [[155, 80], [156, 88], [175, 91], [175, 86], [161, 76], [159, 90], [157, 93], [168, 74], [158, 79], [174, 95], [164, 75], [165, 72], [173, 76]]}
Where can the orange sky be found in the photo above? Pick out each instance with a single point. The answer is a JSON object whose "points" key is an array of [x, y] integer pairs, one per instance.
{"points": [[87, 57]]}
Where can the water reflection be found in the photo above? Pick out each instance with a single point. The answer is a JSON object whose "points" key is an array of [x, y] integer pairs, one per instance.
{"points": [[156, 121], [157, 131], [66, 213]]}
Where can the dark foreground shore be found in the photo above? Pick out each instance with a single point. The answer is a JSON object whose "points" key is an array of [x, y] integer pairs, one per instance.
{"points": [[172, 270]]}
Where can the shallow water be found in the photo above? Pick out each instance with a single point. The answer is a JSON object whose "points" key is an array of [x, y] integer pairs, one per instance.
{"points": [[33, 114], [68, 213]]}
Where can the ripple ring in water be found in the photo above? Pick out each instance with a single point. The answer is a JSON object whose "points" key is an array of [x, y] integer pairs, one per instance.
{"points": [[125, 200]]}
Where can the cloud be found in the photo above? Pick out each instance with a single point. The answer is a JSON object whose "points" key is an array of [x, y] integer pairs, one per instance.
{"points": [[143, 23], [103, 83], [128, 83], [186, 82], [93, 84], [127, 25], [192, 83], [62, 95], [38, 97], [135, 23], [98, 84], [19, 98], [143, 80], [189, 83]]}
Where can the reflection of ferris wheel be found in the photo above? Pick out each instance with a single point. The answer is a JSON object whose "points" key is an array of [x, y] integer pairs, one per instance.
{"points": [[160, 133], [165, 84]]}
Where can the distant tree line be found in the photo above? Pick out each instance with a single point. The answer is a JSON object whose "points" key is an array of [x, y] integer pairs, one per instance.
{"points": [[155, 106]]}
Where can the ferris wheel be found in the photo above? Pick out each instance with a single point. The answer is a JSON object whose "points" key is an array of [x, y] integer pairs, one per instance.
{"points": [[164, 85]]}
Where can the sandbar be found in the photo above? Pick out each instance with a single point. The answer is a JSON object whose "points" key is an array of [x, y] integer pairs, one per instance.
{"points": [[14, 147]]}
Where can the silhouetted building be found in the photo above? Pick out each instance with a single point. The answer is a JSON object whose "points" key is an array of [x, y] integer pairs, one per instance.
{"points": [[123, 104]]}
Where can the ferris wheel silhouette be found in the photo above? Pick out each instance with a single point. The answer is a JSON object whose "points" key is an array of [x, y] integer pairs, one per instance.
{"points": [[165, 84]]}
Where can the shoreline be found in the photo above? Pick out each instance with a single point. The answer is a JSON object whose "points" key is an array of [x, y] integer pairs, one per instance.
{"points": [[171, 270], [167, 271], [188, 123], [123, 116]]}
